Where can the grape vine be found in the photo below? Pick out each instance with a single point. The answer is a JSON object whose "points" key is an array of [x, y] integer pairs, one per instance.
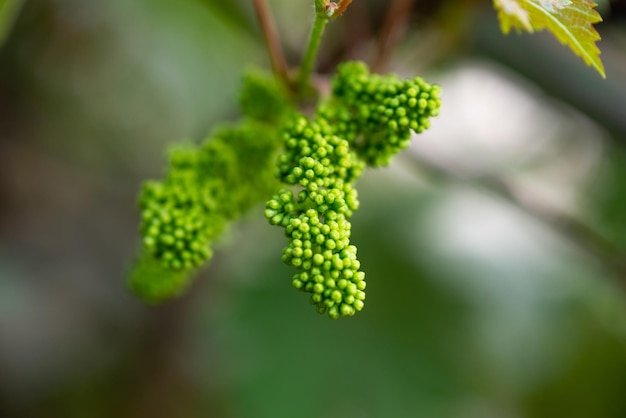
{"points": [[307, 166], [304, 165], [367, 120]]}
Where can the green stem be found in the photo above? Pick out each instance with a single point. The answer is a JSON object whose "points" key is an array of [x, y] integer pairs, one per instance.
{"points": [[311, 53]]}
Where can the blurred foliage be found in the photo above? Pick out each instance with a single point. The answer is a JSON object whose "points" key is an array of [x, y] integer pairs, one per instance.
{"points": [[479, 304], [232, 12], [610, 198], [8, 12]]}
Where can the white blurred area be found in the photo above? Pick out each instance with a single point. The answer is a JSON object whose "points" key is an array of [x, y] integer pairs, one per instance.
{"points": [[494, 124], [519, 162], [498, 135]]}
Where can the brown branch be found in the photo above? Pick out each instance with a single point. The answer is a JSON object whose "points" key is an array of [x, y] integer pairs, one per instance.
{"points": [[394, 27], [341, 7], [274, 48]]}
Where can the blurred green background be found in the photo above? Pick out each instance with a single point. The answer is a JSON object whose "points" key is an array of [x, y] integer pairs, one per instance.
{"points": [[495, 248]]}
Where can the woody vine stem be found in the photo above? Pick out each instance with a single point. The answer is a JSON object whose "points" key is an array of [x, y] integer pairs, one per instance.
{"points": [[276, 54]]}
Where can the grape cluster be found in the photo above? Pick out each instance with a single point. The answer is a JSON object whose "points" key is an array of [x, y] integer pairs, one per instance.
{"points": [[176, 222], [368, 119], [316, 219], [376, 114], [205, 188]]}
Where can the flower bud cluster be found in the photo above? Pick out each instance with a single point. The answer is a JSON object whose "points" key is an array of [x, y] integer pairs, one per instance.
{"points": [[376, 114], [205, 188], [316, 218], [368, 119], [175, 215]]}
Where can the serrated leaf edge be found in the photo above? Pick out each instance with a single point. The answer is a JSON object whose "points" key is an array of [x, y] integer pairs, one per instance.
{"points": [[597, 64]]}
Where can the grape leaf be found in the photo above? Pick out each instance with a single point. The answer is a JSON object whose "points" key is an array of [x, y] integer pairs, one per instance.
{"points": [[571, 21], [8, 13]]}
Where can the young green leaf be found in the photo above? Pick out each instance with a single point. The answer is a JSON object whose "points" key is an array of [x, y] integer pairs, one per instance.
{"points": [[571, 21]]}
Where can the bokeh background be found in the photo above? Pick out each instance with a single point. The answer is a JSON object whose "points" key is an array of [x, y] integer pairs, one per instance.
{"points": [[495, 248]]}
